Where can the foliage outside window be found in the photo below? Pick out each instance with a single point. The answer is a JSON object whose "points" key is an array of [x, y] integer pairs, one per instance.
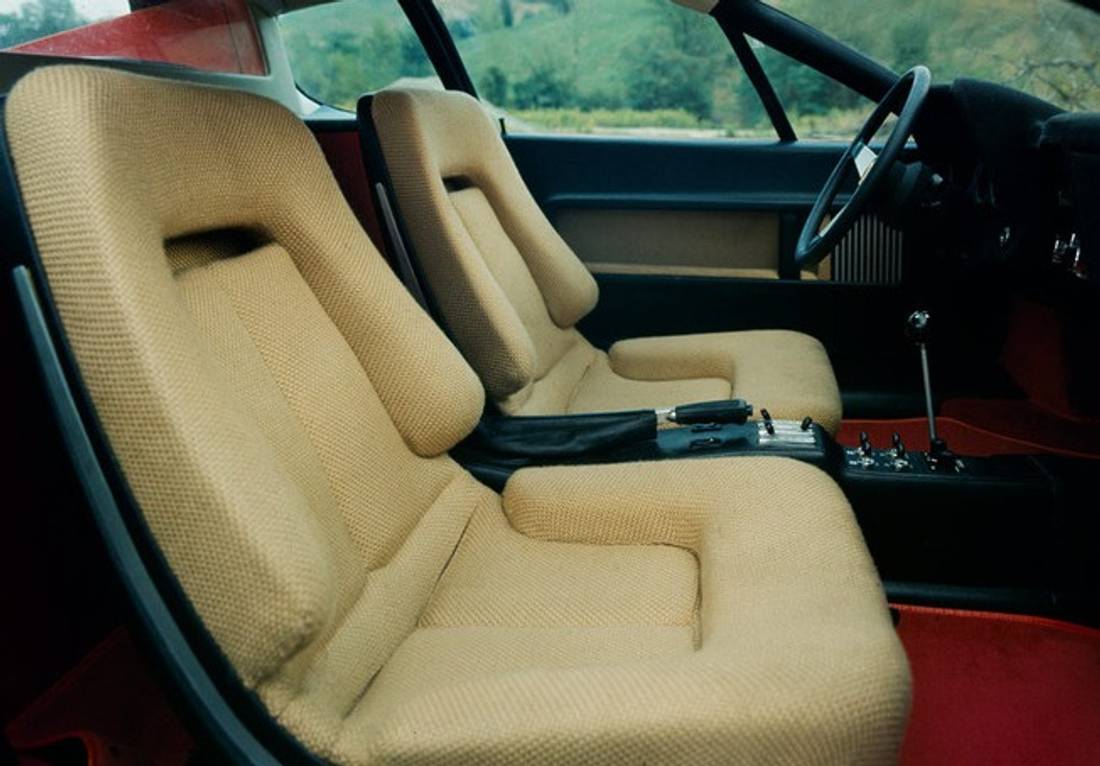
{"points": [[23, 22], [341, 50], [1049, 48], [650, 67], [640, 67]]}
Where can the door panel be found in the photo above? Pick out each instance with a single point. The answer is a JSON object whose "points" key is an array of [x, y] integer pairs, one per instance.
{"points": [[667, 225], [682, 174], [714, 208], [673, 242]]}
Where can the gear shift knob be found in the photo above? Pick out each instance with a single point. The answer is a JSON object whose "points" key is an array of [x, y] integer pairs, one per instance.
{"points": [[918, 327]]}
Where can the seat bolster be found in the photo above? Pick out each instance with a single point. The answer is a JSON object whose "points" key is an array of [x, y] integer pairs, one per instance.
{"points": [[421, 154], [566, 284], [395, 340], [620, 504]]}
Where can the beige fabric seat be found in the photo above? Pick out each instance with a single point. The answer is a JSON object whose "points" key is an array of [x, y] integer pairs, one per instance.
{"points": [[281, 409], [511, 291]]}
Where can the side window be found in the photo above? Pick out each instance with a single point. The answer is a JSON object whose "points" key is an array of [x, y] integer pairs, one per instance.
{"points": [[212, 35], [817, 106], [338, 51], [1049, 48], [629, 67]]}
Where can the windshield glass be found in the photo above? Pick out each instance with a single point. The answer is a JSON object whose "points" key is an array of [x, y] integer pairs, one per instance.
{"points": [[1049, 48]]}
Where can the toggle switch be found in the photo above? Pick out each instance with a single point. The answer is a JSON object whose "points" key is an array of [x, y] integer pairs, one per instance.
{"points": [[769, 426]]}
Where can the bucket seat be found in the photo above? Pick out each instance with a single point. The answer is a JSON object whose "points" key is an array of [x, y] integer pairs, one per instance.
{"points": [[511, 291], [281, 409]]}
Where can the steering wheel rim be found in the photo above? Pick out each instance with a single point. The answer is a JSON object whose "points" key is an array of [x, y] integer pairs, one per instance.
{"points": [[815, 241]]}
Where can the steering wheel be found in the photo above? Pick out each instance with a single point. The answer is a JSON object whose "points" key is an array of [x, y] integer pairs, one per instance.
{"points": [[819, 237]]}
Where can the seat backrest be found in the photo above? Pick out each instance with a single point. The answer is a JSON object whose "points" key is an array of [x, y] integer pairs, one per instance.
{"points": [[278, 404], [509, 288]]}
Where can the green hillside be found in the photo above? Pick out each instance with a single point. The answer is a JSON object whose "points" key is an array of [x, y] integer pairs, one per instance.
{"points": [[651, 65]]}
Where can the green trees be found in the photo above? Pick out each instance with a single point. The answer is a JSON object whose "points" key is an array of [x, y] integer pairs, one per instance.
{"points": [[594, 64], [545, 86], [677, 67], [36, 19]]}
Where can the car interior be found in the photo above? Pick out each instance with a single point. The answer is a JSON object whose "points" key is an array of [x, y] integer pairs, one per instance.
{"points": [[407, 429]]}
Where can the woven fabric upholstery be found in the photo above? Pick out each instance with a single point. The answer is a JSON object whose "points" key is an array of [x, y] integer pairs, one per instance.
{"points": [[452, 173], [280, 406], [773, 654], [787, 372], [510, 290]]}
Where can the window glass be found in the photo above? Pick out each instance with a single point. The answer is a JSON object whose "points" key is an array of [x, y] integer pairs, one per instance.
{"points": [[1049, 48], [214, 35], [817, 106], [635, 67], [24, 21], [339, 51]]}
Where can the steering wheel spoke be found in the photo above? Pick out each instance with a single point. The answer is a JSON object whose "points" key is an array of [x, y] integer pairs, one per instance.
{"points": [[864, 158], [824, 228]]}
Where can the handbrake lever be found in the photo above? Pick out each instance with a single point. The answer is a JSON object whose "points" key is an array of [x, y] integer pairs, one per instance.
{"points": [[723, 411]]}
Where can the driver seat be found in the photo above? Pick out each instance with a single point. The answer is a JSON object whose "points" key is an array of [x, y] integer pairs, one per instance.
{"points": [[511, 291]]}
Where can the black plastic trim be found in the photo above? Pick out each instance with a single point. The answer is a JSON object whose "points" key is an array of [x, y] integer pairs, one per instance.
{"points": [[438, 44], [1029, 601], [806, 44], [759, 79]]}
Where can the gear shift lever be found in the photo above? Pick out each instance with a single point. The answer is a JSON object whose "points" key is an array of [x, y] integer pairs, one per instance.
{"points": [[918, 330]]}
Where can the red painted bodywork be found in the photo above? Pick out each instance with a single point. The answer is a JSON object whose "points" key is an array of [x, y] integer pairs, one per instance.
{"points": [[213, 35]]}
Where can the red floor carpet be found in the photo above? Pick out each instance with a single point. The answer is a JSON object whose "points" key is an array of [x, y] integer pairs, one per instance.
{"points": [[986, 427], [1000, 689], [987, 689]]}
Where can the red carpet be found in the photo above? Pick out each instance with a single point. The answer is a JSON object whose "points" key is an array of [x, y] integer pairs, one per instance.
{"points": [[1000, 689], [109, 710], [1028, 423], [987, 689], [1029, 434]]}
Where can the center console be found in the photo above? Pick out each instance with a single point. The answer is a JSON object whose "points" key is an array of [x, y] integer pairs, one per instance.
{"points": [[1007, 524], [803, 440]]}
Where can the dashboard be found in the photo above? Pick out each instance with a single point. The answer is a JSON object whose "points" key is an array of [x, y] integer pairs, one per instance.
{"points": [[1022, 187]]}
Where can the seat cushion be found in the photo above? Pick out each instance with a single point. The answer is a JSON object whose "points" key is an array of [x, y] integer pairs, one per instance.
{"points": [[710, 611], [788, 373]]}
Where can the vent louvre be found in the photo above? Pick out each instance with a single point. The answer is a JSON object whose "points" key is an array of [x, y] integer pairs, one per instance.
{"points": [[869, 254]]}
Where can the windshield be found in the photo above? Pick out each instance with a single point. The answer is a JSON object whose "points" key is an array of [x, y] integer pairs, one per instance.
{"points": [[1049, 48]]}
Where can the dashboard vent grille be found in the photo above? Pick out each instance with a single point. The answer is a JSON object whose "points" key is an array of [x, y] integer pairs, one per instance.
{"points": [[870, 254]]}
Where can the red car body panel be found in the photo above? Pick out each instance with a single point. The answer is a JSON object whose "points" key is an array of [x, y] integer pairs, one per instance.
{"points": [[212, 35]]}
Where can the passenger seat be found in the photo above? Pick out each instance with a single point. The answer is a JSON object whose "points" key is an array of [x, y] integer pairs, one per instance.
{"points": [[281, 410], [511, 291]]}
